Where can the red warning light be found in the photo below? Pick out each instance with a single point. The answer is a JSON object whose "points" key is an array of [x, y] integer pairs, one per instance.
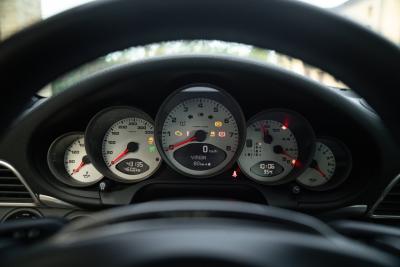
{"points": [[284, 127], [222, 134], [234, 174]]}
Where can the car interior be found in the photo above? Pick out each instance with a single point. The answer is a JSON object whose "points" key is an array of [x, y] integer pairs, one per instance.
{"points": [[199, 160]]}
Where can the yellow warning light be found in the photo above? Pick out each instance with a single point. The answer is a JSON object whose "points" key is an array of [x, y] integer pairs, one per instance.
{"points": [[150, 140], [218, 124], [178, 133], [212, 134]]}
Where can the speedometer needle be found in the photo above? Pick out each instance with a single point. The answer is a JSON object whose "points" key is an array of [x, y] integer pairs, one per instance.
{"points": [[131, 147]]}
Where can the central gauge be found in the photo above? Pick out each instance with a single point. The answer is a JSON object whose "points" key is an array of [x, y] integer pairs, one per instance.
{"points": [[200, 131]]}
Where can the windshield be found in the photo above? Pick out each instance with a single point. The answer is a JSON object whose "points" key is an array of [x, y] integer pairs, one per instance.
{"points": [[382, 16]]}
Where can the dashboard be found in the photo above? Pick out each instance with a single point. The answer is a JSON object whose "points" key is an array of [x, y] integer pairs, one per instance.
{"points": [[200, 132], [203, 127]]}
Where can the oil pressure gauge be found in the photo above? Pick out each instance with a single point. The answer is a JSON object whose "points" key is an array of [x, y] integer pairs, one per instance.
{"points": [[279, 145], [69, 163], [330, 166]]}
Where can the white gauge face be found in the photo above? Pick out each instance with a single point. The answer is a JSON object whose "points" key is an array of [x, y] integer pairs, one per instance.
{"points": [[200, 137], [270, 151], [129, 149], [78, 165], [321, 169]]}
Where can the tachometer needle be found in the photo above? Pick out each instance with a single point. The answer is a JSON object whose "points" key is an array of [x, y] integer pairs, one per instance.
{"points": [[199, 136], [172, 147]]}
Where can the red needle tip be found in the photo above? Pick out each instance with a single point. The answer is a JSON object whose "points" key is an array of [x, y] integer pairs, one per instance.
{"points": [[121, 155], [320, 171], [172, 147], [78, 168]]}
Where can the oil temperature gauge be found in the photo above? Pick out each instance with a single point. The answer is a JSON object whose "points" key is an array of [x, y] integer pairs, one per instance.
{"points": [[330, 166], [278, 146], [69, 163]]}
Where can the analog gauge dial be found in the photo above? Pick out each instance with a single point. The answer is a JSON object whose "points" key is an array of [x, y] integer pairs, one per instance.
{"points": [[78, 165], [129, 150], [200, 131], [330, 166], [120, 143], [278, 146], [69, 163]]}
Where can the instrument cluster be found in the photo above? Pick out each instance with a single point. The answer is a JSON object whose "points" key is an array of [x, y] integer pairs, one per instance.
{"points": [[200, 132]]}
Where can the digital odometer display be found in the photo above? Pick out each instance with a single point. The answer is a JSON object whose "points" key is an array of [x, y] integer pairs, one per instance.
{"points": [[199, 136]]}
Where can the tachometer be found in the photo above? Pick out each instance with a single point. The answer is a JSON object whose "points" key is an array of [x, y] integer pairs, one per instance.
{"points": [[200, 131], [69, 162], [120, 142], [279, 144], [330, 166]]}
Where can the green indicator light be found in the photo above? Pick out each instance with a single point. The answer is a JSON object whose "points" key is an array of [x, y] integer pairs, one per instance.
{"points": [[152, 149]]}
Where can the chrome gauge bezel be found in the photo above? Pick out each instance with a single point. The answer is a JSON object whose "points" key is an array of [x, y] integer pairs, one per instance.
{"points": [[194, 91], [55, 159], [343, 168], [303, 133], [96, 131]]}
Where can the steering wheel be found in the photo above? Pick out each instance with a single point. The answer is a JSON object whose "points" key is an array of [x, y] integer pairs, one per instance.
{"points": [[363, 60]]}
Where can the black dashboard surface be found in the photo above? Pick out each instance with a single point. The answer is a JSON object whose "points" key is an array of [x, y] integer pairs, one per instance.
{"points": [[256, 87]]}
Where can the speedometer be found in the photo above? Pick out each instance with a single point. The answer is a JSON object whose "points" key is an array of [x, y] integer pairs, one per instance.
{"points": [[279, 145], [200, 131], [120, 143]]}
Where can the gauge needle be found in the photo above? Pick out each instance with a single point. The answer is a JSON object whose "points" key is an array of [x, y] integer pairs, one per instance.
{"points": [[199, 136], [265, 135], [131, 147], [78, 168], [279, 150], [315, 166], [191, 139], [85, 160]]}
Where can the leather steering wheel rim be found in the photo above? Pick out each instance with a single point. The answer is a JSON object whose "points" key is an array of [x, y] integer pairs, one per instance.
{"points": [[365, 61], [200, 233]]}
